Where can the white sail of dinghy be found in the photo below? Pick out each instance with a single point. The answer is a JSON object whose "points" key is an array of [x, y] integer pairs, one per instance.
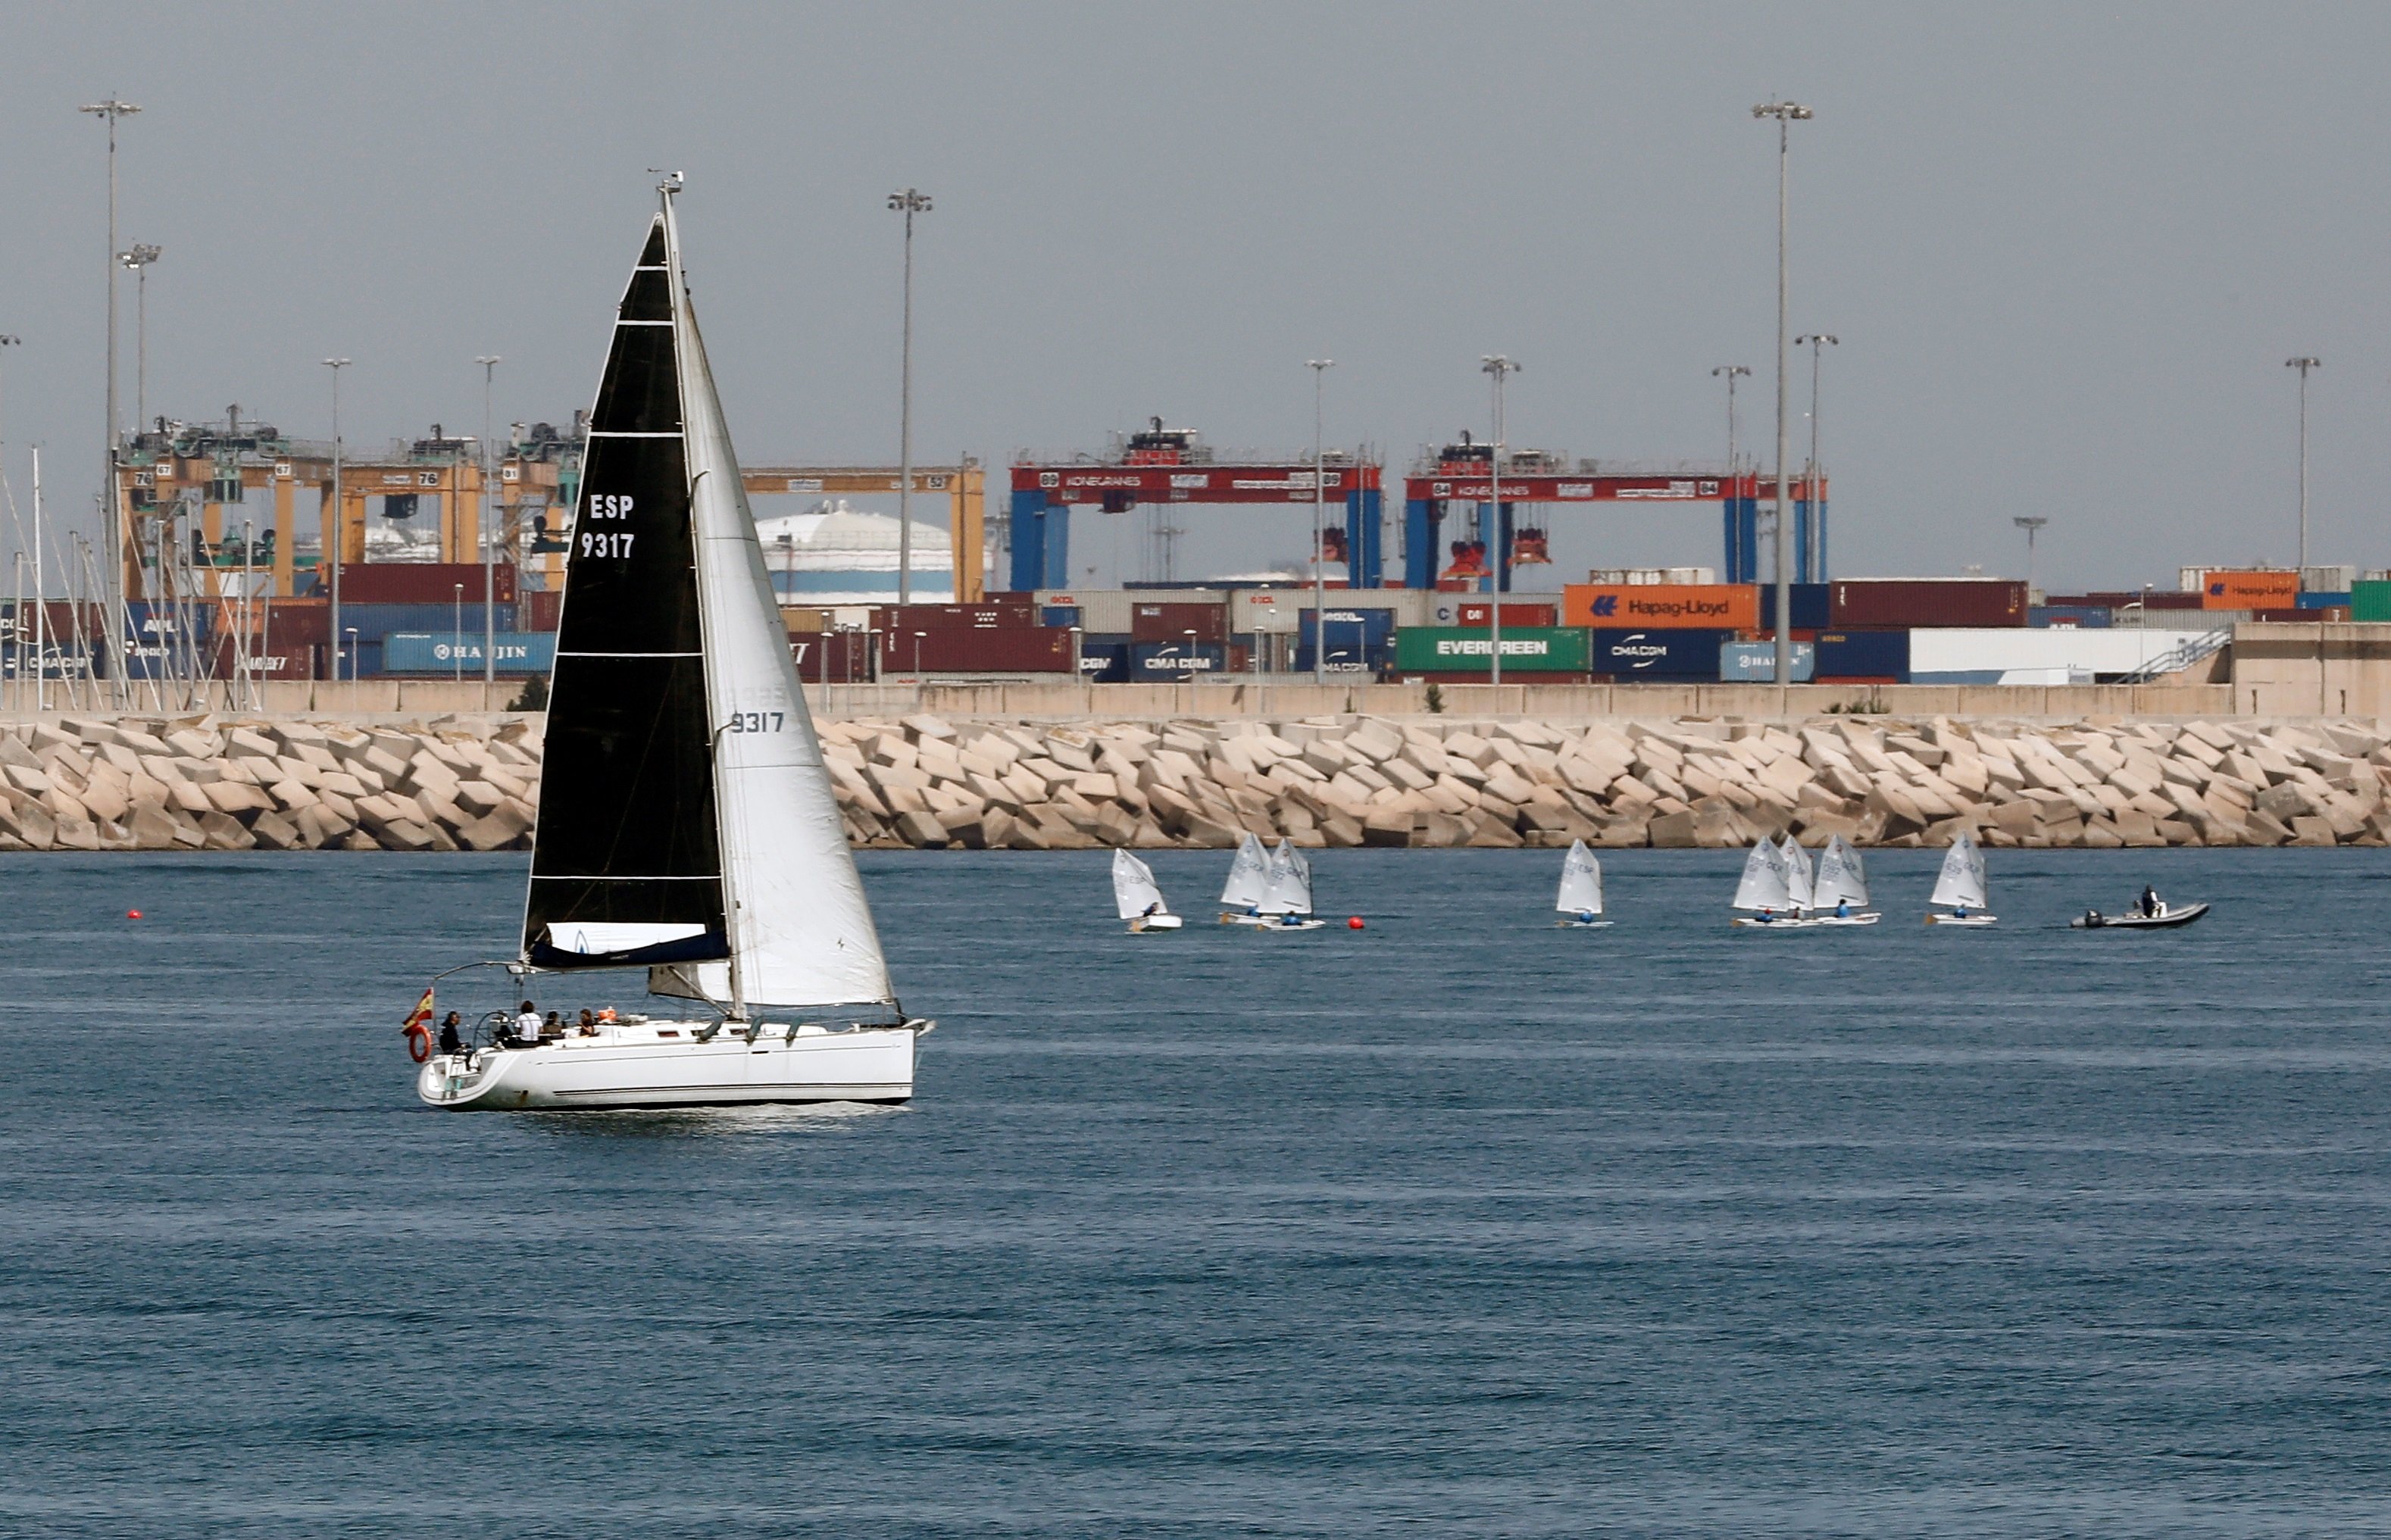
{"points": [[1798, 883], [1289, 887], [1842, 880], [1961, 884], [1764, 884], [1135, 894], [1581, 890], [1248, 881]]}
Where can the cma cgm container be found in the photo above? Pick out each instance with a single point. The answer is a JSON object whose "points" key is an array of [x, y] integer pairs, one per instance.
{"points": [[1104, 659], [1755, 662], [1813, 606], [1901, 604], [1347, 658], [1648, 606], [1164, 662], [2249, 591], [419, 582], [436, 653], [1014, 649], [1172, 622], [1471, 650], [1871, 657], [1672, 653]]}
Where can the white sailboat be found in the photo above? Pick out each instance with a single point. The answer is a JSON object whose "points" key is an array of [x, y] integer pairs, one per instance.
{"points": [[1248, 885], [1840, 896], [1136, 897], [1581, 895], [1797, 880], [1767, 889], [686, 824], [1287, 897], [1961, 887]]}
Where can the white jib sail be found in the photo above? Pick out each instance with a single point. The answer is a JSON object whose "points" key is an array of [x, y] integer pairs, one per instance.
{"points": [[1290, 882], [1962, 881], [1581, 881], [1841, 879], [1248, 881], [801, 932], [1133, 890], [1764, 884], [1798, 885]]}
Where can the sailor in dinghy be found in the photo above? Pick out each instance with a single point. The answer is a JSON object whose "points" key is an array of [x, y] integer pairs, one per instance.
{"points": [[1961, 887], [1136, 897], [1286, 898], [1581, 895], [687, 825], [1841, 892]]}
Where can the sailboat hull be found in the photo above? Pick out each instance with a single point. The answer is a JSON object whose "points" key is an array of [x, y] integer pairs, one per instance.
{"points": [[868, 1064], [1150, 923], [1973, 922]]}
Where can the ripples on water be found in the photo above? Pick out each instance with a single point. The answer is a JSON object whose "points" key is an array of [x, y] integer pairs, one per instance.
{"points": [[1458, 1226]]}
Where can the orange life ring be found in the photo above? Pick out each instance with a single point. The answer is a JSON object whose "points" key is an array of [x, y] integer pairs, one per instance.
{"points": [[418, 1043]]}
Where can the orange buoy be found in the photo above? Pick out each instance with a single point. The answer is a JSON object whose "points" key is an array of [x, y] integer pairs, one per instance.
{"points": [[133, 914], [1354, 924]]}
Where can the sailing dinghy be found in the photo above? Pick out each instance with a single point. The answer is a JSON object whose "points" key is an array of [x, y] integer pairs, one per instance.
{"points": [[686, 824], [1961, 887], [1248, 885], [1767, 889], [1799, 883], [1580, 896], [1286, 898], [1840, 896], [1137, 898]]}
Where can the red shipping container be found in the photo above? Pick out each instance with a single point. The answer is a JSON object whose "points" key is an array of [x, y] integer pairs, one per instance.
{"points": [[537, 609], [1015, 649], [1172, 622], [60, 620], [832, 657], [1010, 613], [420, 582], [287, 622], [265, 662], [1907, 603], [1514, 613], [2308, 618]]}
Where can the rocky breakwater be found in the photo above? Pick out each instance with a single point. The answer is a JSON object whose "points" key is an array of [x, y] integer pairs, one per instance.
{"points": [[202, 784], [926, 783]]}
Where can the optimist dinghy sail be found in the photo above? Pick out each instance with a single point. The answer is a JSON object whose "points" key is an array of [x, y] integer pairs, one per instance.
{"points": [[1289, 883], [1249, 884], [1798, 885], [687, 823], [1842, 883], [1766, 888], [1581, 892], [1961, 885], [1136, 897]]}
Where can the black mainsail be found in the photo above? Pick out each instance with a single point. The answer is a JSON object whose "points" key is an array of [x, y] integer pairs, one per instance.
{"points": [[627, 865]]}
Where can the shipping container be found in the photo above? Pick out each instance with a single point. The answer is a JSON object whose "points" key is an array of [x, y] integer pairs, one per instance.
{"points": [[1903, 604], [1165, 662], [832, 657], [2322, 598], [1647, 606], [1102, 611], [1104, 659], [265, 663], [973, 650], [1209, 622], [1348, 626], [2300, 616], [373, 622], [1066, 616], [1813, 606], [2328, 579], [299, 622], [1521, 614], [1755, 662], [1007, 615], [1677, 654], [2256, 590], [1865, 656], [1680, 576], [156, 624], [419, 582], [2370, 599], [540, 609], [434, 653], [794, 620], [1457, 649], [60, 621], [2139, 598], [1372, 658]]}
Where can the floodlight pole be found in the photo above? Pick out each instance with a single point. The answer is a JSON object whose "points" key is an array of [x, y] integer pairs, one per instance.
{"points": [[1498, 367], [1785, 113], [489, 363], [110, 111], [339, 536], [1320, 368], [2304, 365], [1817, 547], [908, 202]]}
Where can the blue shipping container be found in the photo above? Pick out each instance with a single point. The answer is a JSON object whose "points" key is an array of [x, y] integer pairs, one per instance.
{"points": [[446, 653], [1863, 655], [1166, 661], [1687, 656], [1105, 660], [1347, 659], [1755, 662], [373, 622], [1058, 614], [1347, 625], [2311, 599], [1811, 607]]}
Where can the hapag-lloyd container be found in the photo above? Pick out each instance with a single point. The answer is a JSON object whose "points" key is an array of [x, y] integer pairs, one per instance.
{"points": [[1471, 650], [1650, 606], [1677, 654], [2250, 589], [1903, 604]]}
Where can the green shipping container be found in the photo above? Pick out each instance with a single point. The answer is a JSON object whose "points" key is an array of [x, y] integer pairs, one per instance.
{"points": [[1458, 650], [2370, 600]]}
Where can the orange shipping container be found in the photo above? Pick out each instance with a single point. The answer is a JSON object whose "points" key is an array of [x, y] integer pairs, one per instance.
{"points": [[2249, 591], [1708, 606]]}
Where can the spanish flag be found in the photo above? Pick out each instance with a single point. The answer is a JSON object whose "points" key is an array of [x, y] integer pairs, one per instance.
{"points": [[420, 1016]]}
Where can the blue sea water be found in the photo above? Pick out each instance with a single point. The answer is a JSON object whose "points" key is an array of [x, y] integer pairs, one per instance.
{"points": [[1457, 1225]]}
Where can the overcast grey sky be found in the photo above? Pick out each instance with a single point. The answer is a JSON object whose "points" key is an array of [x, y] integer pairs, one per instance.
{"points": [[2067, 248]]}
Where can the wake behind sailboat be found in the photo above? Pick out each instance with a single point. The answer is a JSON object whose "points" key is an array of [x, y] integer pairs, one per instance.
{"points": [[687, 825]]}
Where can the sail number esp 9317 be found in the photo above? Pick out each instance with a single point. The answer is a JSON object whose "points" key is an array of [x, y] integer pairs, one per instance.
{"points": [[607, 542]]}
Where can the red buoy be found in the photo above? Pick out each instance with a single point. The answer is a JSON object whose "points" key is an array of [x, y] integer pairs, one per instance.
{"points": [[133, 914], [1354, 924]]}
